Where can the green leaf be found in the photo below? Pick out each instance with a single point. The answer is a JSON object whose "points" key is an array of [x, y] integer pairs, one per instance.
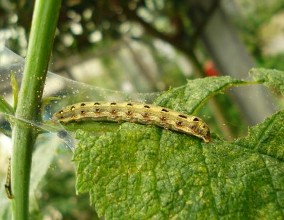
{"points": [[273, 79], [191, 97], [5, 107], [97, 127], [7, 110], [146, 172], [143, 172], [266, 138]]}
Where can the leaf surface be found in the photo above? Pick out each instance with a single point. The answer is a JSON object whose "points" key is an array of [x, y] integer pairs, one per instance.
{"points": [[146, 172], [143, 172], [192, 96], [271, 78]]}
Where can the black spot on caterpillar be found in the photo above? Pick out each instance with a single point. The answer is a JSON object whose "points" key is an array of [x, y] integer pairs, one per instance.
{"points": [[183, 116], [136, 113]]}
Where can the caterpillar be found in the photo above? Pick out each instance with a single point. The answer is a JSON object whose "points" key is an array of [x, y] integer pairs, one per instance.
{"points": [[136, 113]]}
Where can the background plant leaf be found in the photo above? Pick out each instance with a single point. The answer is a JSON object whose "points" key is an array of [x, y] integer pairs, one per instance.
{"points": [[271, 78]]}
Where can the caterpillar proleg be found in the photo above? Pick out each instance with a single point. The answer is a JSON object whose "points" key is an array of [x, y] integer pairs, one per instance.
{"points": [[136, 113]]}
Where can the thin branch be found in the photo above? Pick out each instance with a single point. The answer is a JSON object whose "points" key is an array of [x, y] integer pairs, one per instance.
{"points": [[202, 24]]}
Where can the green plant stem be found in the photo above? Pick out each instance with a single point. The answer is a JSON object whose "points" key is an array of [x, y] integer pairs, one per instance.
{"points": [[40, 44]]}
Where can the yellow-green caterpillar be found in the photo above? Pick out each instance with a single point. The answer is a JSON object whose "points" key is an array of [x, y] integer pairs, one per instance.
{"points": [[136, 113]]}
